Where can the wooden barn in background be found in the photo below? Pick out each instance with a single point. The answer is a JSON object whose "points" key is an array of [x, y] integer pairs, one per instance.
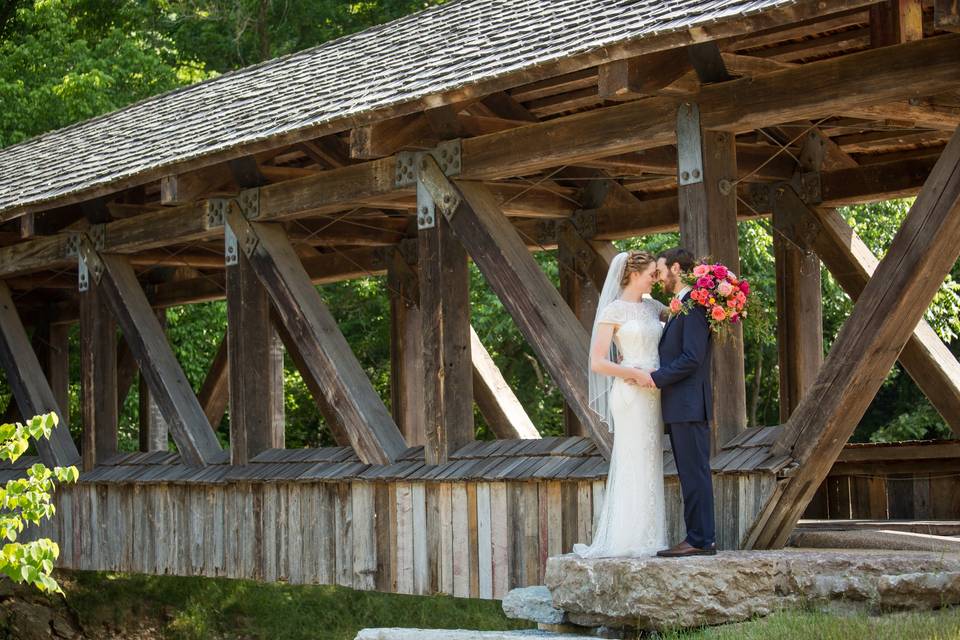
{"points": [[483, 131]]}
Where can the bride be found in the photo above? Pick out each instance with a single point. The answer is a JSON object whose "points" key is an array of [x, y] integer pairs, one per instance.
{"points": [[625, 337]]}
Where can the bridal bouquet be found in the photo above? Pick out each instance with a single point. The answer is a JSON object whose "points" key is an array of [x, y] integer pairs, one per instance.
{"points": [[720, 291]]}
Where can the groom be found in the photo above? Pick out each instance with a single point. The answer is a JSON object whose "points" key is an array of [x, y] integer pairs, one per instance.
{"points": [[687, 403]]}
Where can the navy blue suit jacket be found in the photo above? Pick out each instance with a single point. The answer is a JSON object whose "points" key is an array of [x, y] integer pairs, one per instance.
{"points": [[683, 378]]}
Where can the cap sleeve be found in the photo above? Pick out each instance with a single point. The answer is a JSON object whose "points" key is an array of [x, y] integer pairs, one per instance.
{"points": [[659, 306], [613, 313]]}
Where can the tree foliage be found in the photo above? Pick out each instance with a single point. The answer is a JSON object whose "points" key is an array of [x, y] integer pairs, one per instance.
{"points": [[27, 501]]}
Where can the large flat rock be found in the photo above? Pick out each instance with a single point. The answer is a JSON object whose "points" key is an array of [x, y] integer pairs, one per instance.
{"points": [[658, 593], [397, 633]]}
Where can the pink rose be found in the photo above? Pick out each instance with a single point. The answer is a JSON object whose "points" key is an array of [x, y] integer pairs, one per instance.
{"points": [[740, 297], [701, 270], [732, 304], [705, 283], [734, 318], [745, 287], [725, 288], [720, 271], [718, 313], [675, 306]]}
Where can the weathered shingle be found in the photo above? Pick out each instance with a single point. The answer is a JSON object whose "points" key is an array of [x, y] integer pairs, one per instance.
{"points": [[447, 47]]}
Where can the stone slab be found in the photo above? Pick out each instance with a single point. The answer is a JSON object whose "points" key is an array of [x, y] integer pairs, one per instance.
{"points": [[660, 593], [532, 603], [874, 539], [397, 633]]}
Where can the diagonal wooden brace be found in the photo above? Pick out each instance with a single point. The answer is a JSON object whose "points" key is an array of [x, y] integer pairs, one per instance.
{"points": [[196, 441], [322, 347], [543, 317], [925, 357], [884, 317], [30, 386]]}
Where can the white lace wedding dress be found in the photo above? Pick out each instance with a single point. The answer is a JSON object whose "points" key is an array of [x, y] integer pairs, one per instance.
{"points": [[633, 518]]}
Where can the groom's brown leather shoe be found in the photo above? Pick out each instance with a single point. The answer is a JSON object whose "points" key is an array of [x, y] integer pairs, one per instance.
{"points": [[685, 549]]}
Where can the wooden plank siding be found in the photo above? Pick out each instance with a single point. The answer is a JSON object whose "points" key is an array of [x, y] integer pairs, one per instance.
{"points": [[462, 538]]}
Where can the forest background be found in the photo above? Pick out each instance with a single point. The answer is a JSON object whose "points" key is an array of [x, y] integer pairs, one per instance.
{"points": [[62, 61]]}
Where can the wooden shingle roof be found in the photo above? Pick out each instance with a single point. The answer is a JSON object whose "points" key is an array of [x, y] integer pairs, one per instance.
{"points": [[493, 460], [332, 87]]}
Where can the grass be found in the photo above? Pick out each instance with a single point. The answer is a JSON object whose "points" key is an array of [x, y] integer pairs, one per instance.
{"points": [[193, 608], [176, 608]]}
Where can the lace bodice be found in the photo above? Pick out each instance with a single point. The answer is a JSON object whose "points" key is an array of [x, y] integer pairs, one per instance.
{"points": [[638, 330]]}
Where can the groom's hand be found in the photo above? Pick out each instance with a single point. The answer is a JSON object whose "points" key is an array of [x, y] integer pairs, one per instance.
{"points": [[645, 380]]}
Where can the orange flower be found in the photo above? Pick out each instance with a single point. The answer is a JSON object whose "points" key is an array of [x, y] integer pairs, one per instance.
{"points": [[718, 313], [675, 306]]}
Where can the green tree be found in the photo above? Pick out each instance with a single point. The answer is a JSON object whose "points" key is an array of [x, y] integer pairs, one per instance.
{"points": [[27, 500], [62, 61]]}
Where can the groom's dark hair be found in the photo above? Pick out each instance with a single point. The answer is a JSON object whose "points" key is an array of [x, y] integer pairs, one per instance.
{"points": [[678, 255]]}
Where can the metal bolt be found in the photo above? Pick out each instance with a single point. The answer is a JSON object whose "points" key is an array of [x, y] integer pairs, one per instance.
{"points": [[423, 209], [696, 173], [429, 219], [446, 199], [685, 175]]}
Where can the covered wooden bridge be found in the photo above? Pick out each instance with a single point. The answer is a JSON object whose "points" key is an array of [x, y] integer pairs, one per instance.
{"points": [[477, 132]]}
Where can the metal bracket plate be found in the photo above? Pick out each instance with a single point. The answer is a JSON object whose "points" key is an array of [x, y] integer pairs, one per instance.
{"points": [[807, 186], [98, 234], [83, 274], [230, 248], [689, 147], [447, 155], [585, 223], [217, 212], [73, 245], [426, 208], [250, 203]]}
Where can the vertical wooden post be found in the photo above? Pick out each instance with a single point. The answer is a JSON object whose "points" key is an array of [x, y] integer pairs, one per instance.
{"points": [[98, 377], [895, 22], [708, 228], [256, 366], [445, 317], [581, 296], [406, 347], [55, 359], [799, 314], [154, 433]]}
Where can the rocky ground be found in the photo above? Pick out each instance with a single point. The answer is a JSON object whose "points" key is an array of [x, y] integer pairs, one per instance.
{"points": [[27, 614]]}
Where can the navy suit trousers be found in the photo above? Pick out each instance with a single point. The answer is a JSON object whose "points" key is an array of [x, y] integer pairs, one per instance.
{"points": [[691, 451]]}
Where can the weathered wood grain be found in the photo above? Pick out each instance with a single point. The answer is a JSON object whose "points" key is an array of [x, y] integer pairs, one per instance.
{"points": [[29, 385], [324, 350], [891, 305], [171, 390], [445, 321]]}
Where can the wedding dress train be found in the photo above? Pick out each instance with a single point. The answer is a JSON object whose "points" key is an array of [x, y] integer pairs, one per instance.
{"points": [[632, 520]]}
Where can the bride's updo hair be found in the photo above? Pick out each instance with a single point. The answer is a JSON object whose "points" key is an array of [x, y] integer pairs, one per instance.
{"points": [[636, 261]]}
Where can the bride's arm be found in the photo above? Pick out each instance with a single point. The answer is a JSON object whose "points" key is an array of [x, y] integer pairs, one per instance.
{"points": [[600, 352]]}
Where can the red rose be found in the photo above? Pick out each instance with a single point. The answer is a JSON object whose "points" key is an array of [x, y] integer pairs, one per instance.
{"points": [[745, 287], [720, 271]]}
